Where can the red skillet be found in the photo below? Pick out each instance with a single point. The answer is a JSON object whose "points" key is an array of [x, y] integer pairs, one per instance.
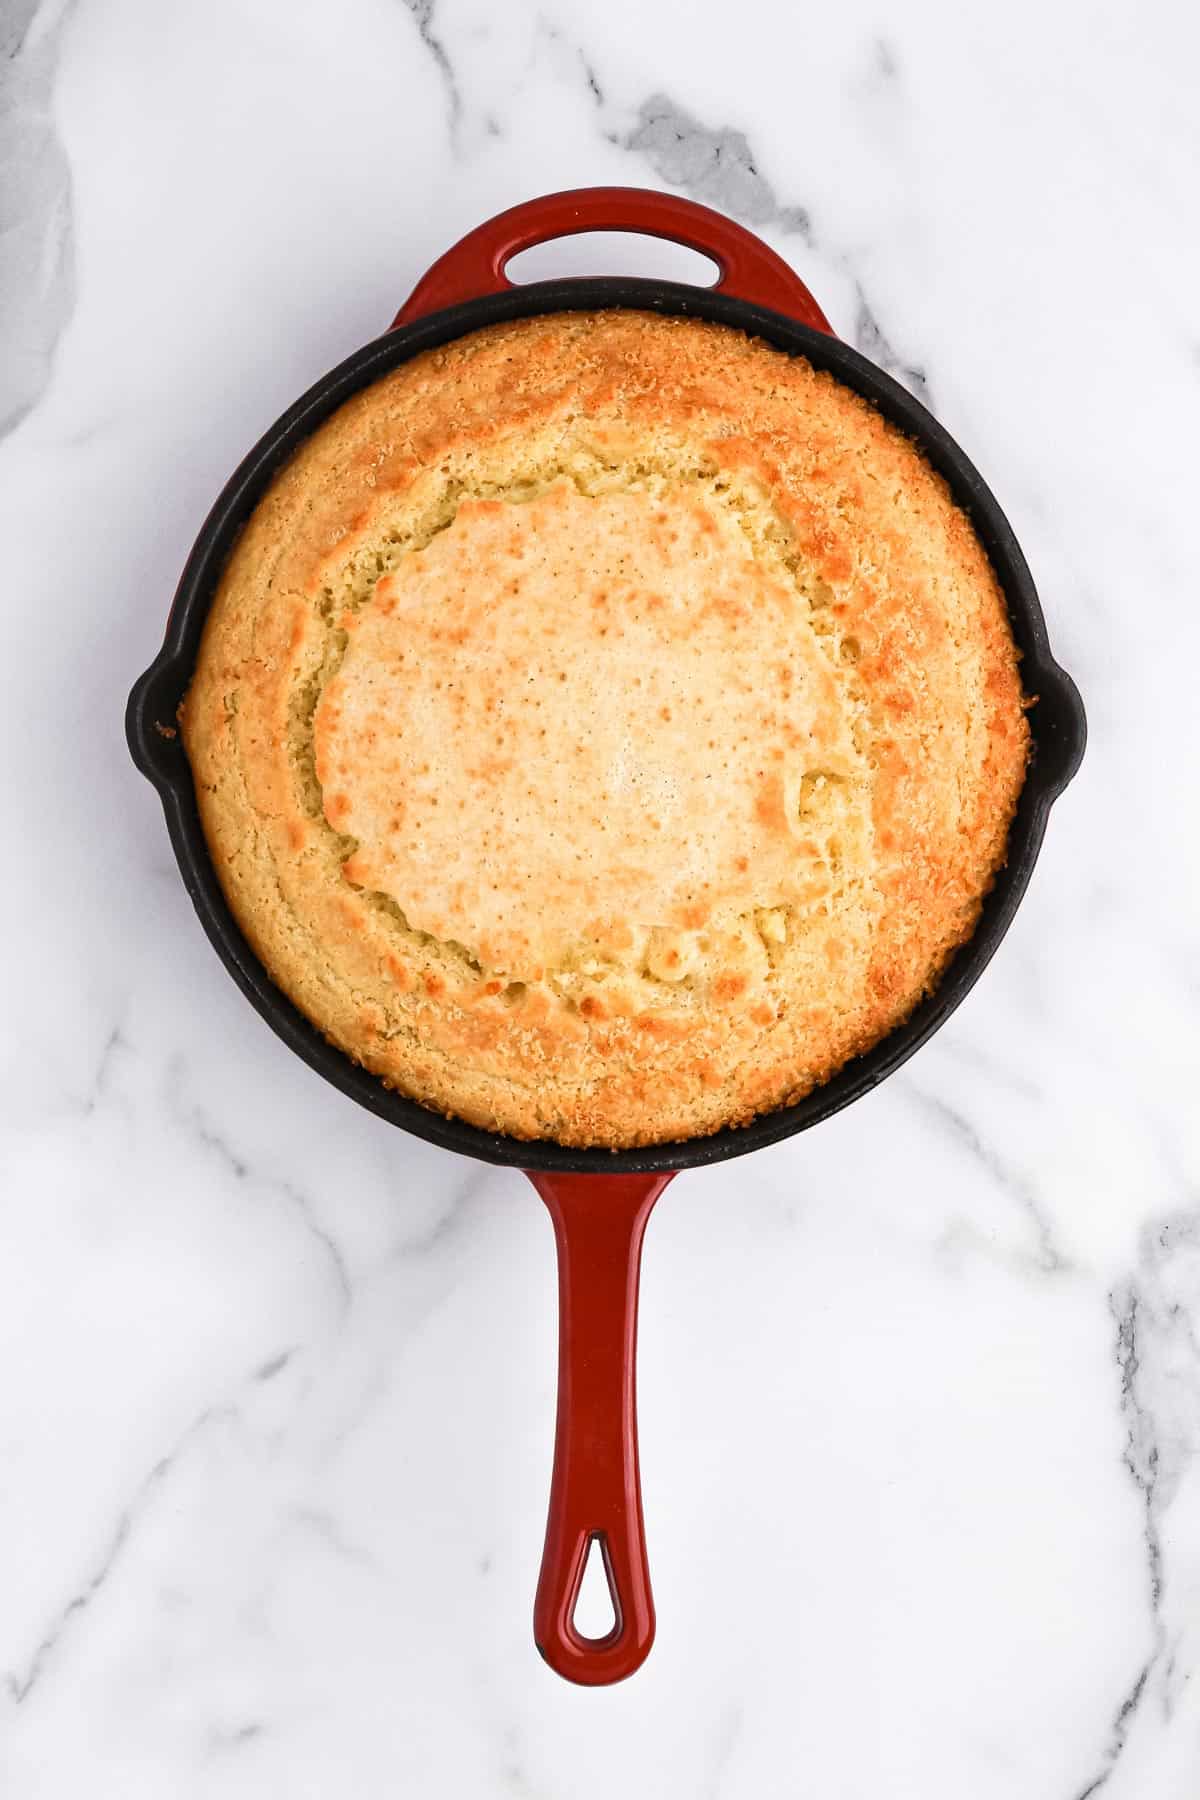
{"points": [[599, 1201]]}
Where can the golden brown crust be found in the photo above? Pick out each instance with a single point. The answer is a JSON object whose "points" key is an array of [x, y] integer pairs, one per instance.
{"points": [[605, 727]]}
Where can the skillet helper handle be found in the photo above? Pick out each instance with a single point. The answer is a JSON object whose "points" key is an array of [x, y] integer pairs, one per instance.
{"points": [[749, 269], [595, 1490]]}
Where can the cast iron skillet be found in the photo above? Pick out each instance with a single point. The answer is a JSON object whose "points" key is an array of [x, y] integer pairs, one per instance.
{"points": [[599, 1200]]}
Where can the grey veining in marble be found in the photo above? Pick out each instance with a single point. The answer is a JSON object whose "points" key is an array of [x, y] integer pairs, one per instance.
{"points": [[37, 266], [719, 167], [424, 16], [716, 166]]}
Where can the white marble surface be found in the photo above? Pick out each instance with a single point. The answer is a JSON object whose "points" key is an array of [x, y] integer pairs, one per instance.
{"points": [[920, 1391]]}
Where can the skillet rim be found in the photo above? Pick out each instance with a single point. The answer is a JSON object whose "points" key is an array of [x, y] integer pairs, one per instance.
{"points": [[1057, 720]]}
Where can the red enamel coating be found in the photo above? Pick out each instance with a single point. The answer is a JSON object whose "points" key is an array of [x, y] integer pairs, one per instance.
{"points": [[599, 1220], [595, 1491], [749, 270]]}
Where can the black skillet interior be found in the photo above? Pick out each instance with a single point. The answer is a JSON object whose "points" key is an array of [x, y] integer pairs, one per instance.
{"points": [[1057, 720]]}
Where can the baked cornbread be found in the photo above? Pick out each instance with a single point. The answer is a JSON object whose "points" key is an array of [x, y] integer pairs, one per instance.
{"points": [[605, 727]]}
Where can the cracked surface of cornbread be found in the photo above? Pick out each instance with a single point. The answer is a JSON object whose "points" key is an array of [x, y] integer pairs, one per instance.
{"points": [[605, 727]]}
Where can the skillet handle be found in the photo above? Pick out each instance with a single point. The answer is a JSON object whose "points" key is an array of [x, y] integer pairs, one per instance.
{"points": [[595, 1490], [749, 269]]}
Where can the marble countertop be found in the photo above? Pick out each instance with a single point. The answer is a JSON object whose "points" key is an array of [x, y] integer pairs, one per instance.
{"points": [[920, 1390]]}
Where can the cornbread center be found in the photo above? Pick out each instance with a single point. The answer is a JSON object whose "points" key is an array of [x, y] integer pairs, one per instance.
{"points": [[605, 727], [584, 724]]}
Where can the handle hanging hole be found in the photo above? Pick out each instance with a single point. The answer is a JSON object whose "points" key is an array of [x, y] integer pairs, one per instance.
{"points": [[596, 1614]]}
